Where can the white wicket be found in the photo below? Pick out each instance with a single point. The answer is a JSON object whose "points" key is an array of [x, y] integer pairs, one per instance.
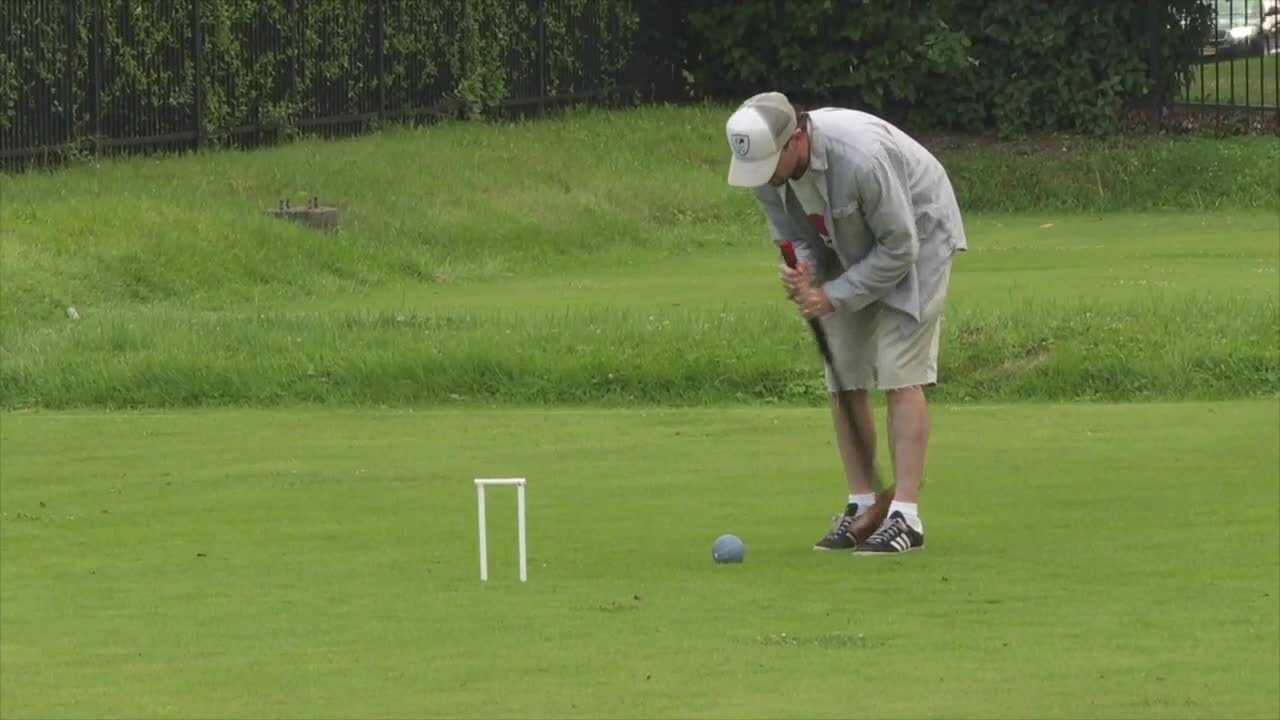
{"points": [[481, 484]]}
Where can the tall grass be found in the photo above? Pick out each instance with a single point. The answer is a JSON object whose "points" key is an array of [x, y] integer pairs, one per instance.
{"points": [[1192, 348]]}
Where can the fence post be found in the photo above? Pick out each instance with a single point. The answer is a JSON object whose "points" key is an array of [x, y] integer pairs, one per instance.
{"points": [[68, 97], [197, 52], [381, 41], [675, 73], [542, 57], [463, 60], [95, 68], [292, 36], [1154, 69]]}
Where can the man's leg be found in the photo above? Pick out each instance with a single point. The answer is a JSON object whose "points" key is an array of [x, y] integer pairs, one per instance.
{"points": [[859, 402], [867, 507], [908, 441], [907, 362], [851, 338], [908, 426]]}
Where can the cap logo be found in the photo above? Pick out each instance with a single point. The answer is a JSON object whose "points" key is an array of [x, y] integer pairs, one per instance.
{"points": [[741, 144]]}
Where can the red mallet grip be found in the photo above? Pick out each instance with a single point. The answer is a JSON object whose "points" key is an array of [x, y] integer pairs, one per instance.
{"points": [[789, 253]]}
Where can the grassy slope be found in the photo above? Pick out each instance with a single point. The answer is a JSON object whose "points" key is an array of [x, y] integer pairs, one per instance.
{"points": [[474, 201], [453, 236], [1054, 307], [295, 564]]}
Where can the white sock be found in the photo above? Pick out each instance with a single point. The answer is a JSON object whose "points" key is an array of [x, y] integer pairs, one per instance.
{"points": [[910, 512], [864, 502]]}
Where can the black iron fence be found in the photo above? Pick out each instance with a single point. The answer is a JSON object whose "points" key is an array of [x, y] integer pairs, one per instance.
{"points": [[79, 76], [1239, 64], [83, 76]]}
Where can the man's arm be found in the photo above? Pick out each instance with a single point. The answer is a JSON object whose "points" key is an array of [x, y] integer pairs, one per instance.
{"points": [[782, 227], [885, 199]]}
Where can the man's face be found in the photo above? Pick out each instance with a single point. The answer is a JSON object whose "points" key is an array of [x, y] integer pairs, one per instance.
{"points": [[788, 160]]}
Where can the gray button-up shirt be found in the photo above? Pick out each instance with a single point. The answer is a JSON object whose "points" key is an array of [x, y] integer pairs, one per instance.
{"points": [[891, 212]]}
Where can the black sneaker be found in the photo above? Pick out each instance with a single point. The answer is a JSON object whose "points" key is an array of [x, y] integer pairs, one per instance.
{"points": [[841, 536], [894, 536]]}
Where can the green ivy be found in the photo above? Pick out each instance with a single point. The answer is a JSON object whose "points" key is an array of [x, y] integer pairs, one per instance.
{"points": [[273, 64], [1012, 65]]}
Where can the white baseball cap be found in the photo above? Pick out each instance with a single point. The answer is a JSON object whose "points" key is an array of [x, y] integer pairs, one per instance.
{"points": [[757, 130]]}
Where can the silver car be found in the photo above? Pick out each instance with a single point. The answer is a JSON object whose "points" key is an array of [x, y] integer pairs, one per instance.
{"points": [[1246, 27]]}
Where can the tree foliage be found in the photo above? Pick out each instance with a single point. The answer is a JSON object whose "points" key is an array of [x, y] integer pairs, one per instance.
{"points": [[1013, 65], [130, 66]]}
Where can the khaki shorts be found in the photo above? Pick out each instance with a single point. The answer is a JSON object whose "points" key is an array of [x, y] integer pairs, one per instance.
{"points": [[879, 347]]}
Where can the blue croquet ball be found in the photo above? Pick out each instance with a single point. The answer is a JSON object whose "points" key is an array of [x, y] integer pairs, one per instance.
{"points": [[728, 549]]}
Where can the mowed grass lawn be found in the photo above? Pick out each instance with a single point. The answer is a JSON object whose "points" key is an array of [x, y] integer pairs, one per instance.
{"points": [[607, 322], [1084, 562]]}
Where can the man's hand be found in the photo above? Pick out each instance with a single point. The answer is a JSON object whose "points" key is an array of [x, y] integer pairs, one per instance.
{"points": [[804, 292], [814, 303], [795, 280]]}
